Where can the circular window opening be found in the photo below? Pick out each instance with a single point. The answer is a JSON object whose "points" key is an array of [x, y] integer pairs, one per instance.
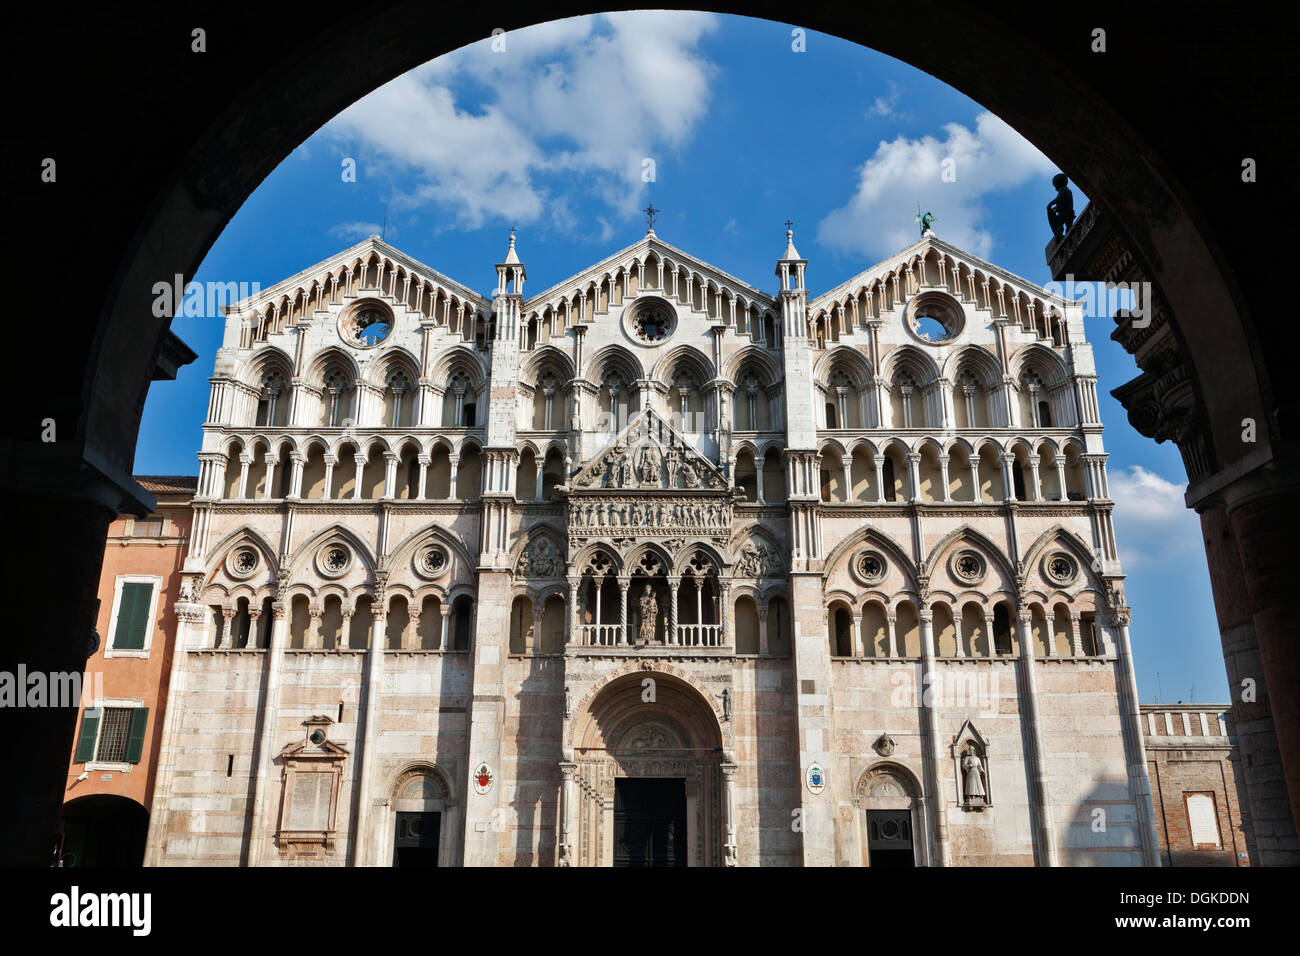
{"points": [[652, 321], [366, 324], [935, 318]]}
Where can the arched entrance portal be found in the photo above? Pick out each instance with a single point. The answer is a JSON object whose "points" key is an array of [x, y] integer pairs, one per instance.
{"points": [[891, 818], [651, 777], [103, 830]]}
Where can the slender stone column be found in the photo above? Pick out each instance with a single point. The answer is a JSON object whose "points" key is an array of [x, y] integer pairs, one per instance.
{"points": [[567, 770], [245, 461], [259, 833], [991, 636], [330, 462], [674, 581], [729, 813], [623, 583], [361, 850], [930, 727], [1045, 841], [572, 636]]}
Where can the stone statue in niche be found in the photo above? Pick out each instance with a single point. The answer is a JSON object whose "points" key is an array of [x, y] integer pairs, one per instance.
{"points": [[649, 466], [726, 703], [568, 702], [972, 770], [690, 477], [624, 472], [649, 616], [672, 461]]}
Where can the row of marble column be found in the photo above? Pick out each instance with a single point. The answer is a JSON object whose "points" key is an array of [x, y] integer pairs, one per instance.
{"points": [[891, 630], [678, 634]]}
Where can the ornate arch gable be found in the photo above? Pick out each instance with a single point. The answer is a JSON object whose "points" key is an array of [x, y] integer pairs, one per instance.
{"points": [[579, 561], [910, 357], [854, 362], [988, 372], [266, 356], [648, 426], [870, 535], [1068, 539], [970, 535], [413, 768], [684, 554], [376, 369], [652, 548], [299, 558], [315, 371], [688, 356], [537, 533], [880, 768], [459, 357], [217, 554], [1042, 360], [617, 357], [542, 357], [653, 670], [399, 554], [751, 531], [752, 355]]}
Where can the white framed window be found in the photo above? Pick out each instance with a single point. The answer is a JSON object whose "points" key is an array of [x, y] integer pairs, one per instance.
{"points": [[112, 735], [135, 605]]}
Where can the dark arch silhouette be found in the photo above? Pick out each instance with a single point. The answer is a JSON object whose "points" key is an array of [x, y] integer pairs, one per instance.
{"points": [[156, 151]]}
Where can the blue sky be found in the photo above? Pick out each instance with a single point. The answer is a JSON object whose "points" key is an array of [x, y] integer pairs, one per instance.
{"points": [[552, 133]]}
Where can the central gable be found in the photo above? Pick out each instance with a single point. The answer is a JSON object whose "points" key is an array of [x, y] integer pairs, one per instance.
{"points": [[649, 455], [637, 254]]}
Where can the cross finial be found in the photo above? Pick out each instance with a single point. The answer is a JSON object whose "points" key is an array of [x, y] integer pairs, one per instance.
{"points": [[651, 214], [788, 225]]}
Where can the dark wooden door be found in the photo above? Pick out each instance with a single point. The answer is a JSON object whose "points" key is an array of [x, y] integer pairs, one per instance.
{"points": [[649, 822], [889, 838], [415, 839]]}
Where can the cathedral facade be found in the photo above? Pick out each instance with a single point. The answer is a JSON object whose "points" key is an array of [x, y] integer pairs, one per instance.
{"points": [[653, 568]]}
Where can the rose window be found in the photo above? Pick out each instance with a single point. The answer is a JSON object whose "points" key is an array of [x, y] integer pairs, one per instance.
{"points": [[245, 560], [334, 559], [366, 324], [871, 567], [968, 566], [1061, 568], [433, 560], [652, 321]]}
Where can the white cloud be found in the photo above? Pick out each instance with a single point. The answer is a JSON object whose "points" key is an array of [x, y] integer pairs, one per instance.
{"points": [[585, 99], [879, 218], [356, 230], [883, 107], [1152, 522]]}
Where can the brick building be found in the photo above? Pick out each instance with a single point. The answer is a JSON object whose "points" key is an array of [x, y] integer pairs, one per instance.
{"points": [[110, 776], [1192, 765]]}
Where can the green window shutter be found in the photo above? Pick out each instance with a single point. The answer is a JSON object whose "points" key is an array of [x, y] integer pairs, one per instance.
{"points": [[132, 616], [135, 738], [89, 731]]}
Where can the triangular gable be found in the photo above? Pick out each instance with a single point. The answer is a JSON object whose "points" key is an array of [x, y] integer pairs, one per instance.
{"points": [[361, 250], [639, 251], [649, 455], [882, 270]]}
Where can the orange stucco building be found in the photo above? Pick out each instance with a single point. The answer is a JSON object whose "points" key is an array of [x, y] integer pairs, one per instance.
{"points": [[124, 689]]}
